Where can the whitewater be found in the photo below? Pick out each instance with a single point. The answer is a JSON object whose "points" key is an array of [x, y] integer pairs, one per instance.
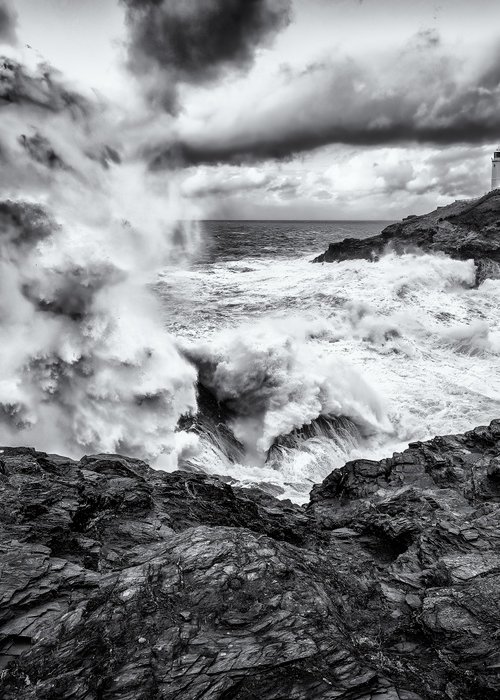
{"points": [[351, 359], [120, 311]]}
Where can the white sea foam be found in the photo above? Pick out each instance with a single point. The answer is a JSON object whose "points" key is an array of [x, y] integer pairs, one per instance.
{"points": [[275, 379], [474, 339], [404, 346]]}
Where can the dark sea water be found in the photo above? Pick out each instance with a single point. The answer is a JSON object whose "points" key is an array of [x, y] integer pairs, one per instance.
{"points": [[404, 348], [236, 240]]}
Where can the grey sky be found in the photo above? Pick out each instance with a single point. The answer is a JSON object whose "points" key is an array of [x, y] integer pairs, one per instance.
{"points": [[339, 72]]}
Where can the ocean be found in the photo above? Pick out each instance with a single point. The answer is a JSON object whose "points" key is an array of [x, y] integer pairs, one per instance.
{"points": [[323, 363]]}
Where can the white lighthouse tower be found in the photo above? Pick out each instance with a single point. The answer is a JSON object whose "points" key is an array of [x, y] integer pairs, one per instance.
{"points": [[495, 170]]}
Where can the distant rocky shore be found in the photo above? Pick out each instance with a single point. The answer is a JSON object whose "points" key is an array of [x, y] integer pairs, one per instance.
{"points": [[119, 581], [463, 230]]}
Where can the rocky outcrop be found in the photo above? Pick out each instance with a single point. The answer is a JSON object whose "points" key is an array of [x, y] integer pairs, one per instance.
{"points": [[118, 581], [463, 230]]}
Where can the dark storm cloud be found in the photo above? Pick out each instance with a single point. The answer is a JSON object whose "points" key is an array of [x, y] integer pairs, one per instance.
{"points": [[8, 22], [195, 41], [416, 97]]}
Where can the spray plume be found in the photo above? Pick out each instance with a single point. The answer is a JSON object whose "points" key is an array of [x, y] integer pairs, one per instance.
{"points": [[85, 364]]}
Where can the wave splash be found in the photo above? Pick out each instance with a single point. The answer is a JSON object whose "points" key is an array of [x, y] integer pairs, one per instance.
{"points": [[475, 339], [274, 382], [414, 325], [85, 363]]}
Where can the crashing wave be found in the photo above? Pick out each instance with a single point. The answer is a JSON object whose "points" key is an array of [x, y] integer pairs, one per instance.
{"points": [[340, 430], [211, 424], [85, 362], [272, 379], [474, 339], [291, 464]]}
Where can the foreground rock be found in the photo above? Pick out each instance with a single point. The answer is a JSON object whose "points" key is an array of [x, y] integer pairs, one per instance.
{"points": [[463, 230], [117, 581]]}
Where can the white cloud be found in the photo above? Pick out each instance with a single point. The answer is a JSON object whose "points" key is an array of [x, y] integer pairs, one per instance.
{"points": [[342, 182]]}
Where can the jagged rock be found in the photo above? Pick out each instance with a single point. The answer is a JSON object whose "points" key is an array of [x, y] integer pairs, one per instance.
{"points": [[119, 581], [463, 230]]}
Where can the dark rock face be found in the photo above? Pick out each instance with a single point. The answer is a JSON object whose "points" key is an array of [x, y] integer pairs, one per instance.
{"points": [[463, 230], [118, 581]]}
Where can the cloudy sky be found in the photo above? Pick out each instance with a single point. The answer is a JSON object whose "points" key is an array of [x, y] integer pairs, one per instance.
{"points": [[340, 109]]}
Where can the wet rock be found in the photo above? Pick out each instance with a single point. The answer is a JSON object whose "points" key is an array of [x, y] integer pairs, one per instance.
{"points": [[118, 581], [464, 230]]}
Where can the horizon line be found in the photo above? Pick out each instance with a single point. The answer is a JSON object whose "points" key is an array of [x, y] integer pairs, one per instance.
{"points": [[302, 220]]}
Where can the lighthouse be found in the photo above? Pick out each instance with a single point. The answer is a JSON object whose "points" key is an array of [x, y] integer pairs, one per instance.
{"points": [[495, 170]]}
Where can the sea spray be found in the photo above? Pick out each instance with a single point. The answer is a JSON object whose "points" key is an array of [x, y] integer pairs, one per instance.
{"points": [[274, 381], [85, 364], [412, 326], [472, 339]]}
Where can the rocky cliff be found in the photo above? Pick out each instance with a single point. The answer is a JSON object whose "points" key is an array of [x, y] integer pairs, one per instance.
{"points": [[118, 581], [463, 230]]}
